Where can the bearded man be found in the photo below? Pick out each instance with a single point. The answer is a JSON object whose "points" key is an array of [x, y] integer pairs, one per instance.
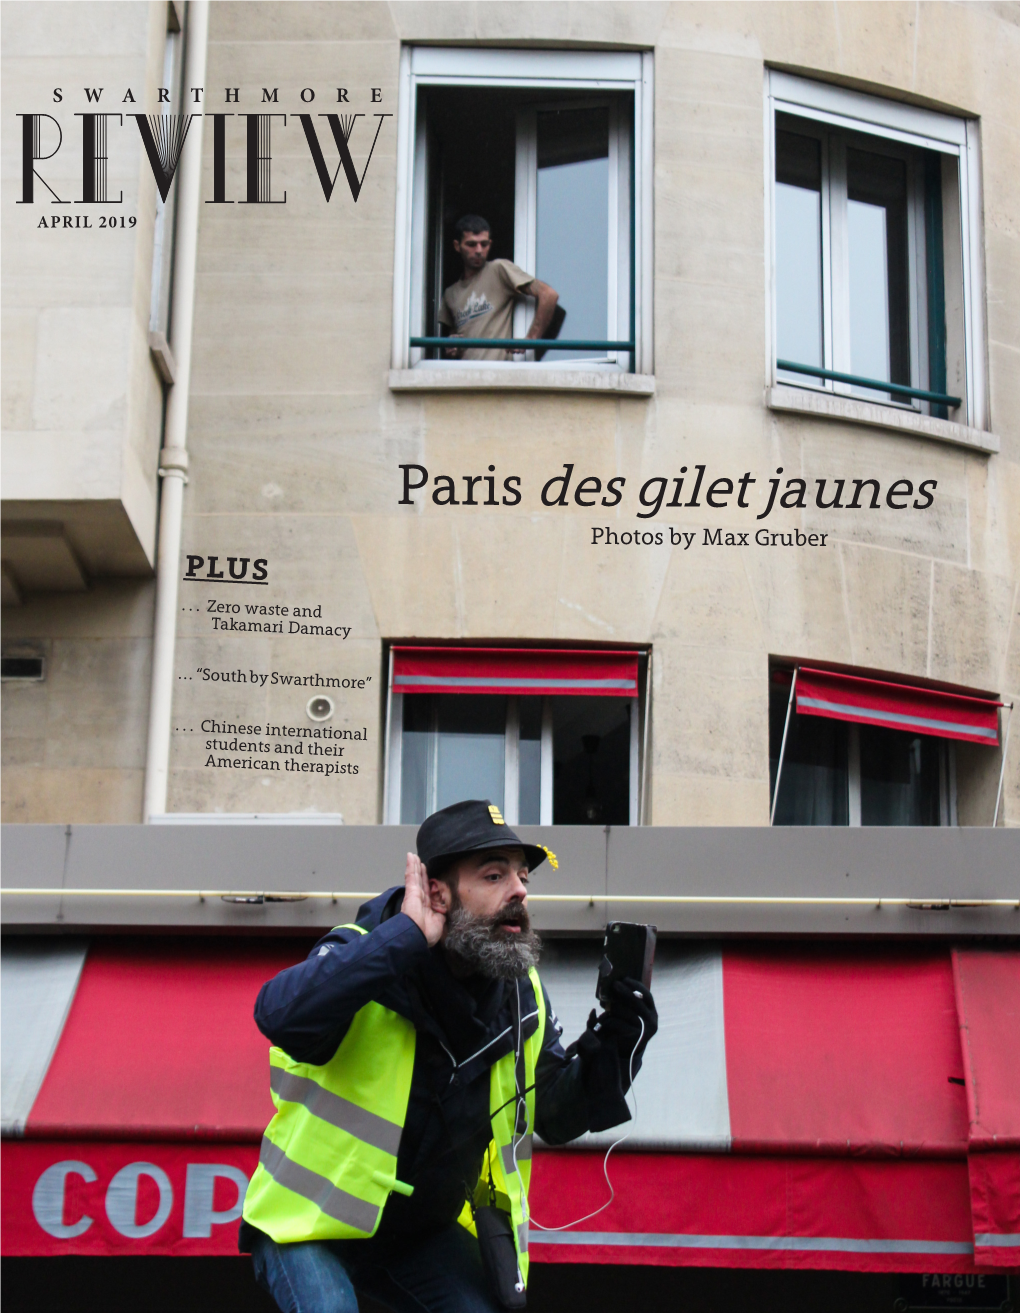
{"points": [[415, 1053]]}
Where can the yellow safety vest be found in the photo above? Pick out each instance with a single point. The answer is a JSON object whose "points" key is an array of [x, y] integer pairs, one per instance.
{"points": [[329, 1156]]}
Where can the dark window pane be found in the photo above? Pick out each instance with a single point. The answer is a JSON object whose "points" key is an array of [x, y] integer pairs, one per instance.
{"points": [[529, 801], [21, 667], [899, 778], [571, 136], [798, 249], [471, 713], [798, 160], [591, 761], [813, 785], [877, 245], [472, 136], [418, 712], [531, 718]]}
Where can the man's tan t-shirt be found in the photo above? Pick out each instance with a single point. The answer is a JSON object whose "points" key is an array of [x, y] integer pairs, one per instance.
{"points": [[483, 306]]}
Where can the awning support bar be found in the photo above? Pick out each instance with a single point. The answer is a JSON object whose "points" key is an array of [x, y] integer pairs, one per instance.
{"points": [[782, 750], [1002, 769]]}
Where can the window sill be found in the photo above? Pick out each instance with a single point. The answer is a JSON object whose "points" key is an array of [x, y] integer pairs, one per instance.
{"points": [[808, 401], [521, 378]]}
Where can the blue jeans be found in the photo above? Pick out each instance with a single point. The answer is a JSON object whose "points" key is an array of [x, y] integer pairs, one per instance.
{"points": [[439, 1273]]}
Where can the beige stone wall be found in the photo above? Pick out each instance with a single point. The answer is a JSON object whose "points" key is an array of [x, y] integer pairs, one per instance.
{"points": [[295, 436], [74, 745], [82, 401], [82, 416]]}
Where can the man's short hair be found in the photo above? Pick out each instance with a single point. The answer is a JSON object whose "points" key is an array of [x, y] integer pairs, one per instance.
{"points": [[448, 868], [445, 869], [470, 223]]}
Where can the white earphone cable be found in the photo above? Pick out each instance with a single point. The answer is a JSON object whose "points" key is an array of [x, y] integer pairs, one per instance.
{"points": [[532, 1220]]}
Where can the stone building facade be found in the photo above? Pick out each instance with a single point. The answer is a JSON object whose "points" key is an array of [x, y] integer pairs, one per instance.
{"points": [[307, 404]]}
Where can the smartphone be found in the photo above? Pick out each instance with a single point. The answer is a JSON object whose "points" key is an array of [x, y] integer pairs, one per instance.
{"points": [[628, 953]]}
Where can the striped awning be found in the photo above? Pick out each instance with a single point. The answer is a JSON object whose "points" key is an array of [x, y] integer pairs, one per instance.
{"points": [[577, 672], [720, 1210], [987, 985], [799, 1107], [897, 706]]}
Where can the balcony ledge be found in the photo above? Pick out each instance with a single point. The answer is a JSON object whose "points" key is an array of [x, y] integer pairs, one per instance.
{"points": [[691, 881], [521, 378], [824, 405]]}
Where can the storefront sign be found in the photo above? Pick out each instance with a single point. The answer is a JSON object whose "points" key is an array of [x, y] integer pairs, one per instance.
{"points": [[97, 1198]]}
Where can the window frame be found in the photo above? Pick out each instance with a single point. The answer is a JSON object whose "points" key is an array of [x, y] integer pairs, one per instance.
{"points": [[620, 282], [637, 765], [835, 280], [823, 106], [541, 71], [947, 782]]}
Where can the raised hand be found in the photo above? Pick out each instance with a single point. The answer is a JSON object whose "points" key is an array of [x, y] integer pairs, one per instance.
{"points": [[417, 903]]}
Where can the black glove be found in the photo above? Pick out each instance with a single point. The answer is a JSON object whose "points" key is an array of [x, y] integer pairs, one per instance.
{"points": [[629, 1022], [606, 1048]]}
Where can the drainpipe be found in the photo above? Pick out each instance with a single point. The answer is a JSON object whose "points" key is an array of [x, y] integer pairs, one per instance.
{"points": [[173, 459]]}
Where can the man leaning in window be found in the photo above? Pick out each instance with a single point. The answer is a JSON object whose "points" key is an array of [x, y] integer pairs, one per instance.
{"points": [[481, 302]]}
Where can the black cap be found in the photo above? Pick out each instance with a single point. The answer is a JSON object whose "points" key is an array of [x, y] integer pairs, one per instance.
{"points": [[468, 827]]}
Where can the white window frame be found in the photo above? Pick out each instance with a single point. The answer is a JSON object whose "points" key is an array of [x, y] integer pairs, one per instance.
{"points": [[392, 767], [855, 112], [526, 230], [542, 71]]}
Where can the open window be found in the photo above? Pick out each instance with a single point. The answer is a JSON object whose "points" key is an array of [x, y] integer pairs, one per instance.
{"points": [[874, 253], [550, 737], [851, 750], [553, 149]]}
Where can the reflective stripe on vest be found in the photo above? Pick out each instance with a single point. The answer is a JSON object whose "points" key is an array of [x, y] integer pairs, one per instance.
{"points": [[336, 1203], [522, 1153], [359, 1122], [329, 1156]]}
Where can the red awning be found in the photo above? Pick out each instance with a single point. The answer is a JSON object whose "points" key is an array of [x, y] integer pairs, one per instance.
{"points": [[145, 1130], [988, 1004], [160, 1044], [102, 1197], [841, 1050], [720, 1210], [897, 706], [841, 1085], [515, 671]]}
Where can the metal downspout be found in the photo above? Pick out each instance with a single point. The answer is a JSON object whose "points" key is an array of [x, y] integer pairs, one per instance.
{"points": [[173, 459]]}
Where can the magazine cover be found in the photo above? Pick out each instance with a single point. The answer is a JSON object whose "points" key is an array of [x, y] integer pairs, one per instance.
{"points": [[511, 550]]}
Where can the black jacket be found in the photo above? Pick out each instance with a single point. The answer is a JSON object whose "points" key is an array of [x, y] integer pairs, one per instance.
{"points": [[463, 1027]]}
